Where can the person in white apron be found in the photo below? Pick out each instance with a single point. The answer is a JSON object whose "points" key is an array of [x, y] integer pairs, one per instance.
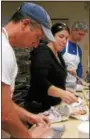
{"points": [[72, 62]]}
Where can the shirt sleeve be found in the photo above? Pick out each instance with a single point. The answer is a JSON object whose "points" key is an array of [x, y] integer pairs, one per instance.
{"points": [[40, 66], [80, 69], [6, 76]]}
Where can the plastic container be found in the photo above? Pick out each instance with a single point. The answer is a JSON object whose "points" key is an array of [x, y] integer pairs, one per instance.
{"points": [[58, 131], [83, 130]]}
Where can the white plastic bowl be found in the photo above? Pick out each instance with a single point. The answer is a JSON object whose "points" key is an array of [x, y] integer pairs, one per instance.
{"points": [[83, 130]]}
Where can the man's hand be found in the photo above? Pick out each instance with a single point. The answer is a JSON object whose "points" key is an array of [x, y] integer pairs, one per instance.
{"points": [[30, 117], [38, 119], [39, 131], [72, 72]]}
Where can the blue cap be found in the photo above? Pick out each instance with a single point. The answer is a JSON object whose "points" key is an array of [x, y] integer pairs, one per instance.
{"points": [[40, 15]]}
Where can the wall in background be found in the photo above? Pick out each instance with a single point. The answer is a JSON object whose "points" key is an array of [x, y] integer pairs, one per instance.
{"points": [[71, 10]]}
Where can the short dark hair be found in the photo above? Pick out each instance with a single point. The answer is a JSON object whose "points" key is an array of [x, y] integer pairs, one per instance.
{"points": [[59, 27], [17, 16]]}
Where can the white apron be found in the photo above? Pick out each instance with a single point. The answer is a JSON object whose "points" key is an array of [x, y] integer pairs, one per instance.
{"points": [[71, 61]]}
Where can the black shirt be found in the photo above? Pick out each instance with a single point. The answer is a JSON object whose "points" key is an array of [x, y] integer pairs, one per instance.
{"points": [[46, 70]]}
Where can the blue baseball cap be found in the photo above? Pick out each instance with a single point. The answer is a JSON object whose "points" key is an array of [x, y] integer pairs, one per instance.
{"points": [[40, 15]]}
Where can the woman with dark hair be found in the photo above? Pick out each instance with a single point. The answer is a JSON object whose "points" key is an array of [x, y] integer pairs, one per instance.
{"points": [[48, 73]]}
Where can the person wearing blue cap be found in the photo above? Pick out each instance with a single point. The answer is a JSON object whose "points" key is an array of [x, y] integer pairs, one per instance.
{"points": [[26, 28]]}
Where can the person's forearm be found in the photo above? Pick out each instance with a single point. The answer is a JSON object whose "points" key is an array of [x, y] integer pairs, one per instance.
{"points": [[11, 121], [23, 114], [12, 124], [55, 91], [65, 95]]}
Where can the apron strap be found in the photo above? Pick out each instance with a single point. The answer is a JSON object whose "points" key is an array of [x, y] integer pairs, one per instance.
{"points": [[5, 32], [67, 46], [77, 51]]}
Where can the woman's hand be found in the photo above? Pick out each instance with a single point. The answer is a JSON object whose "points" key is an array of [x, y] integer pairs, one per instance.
{"points": [[68, 97]]}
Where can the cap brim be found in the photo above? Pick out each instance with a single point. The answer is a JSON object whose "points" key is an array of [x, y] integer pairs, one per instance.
{"points": [[48, 34]]}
